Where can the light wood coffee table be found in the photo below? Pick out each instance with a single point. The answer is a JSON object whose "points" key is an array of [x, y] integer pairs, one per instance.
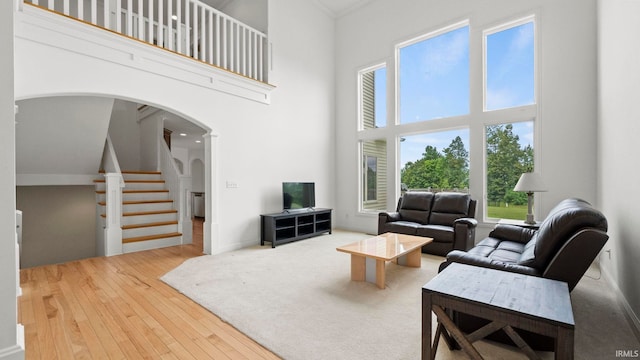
{"points": [[369, 256]]}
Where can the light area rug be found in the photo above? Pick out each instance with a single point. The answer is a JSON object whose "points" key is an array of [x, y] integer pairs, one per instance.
{"points": [[298, 301]]}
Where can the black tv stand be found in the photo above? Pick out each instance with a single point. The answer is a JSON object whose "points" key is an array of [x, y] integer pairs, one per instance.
{"points": [[288, 226]]}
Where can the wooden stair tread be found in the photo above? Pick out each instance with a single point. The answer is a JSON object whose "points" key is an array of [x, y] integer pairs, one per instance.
{"points": [[138, 226], [136, 191], [134, 181], [140, 172], [142, 213], [150, 237], [138, 202]]}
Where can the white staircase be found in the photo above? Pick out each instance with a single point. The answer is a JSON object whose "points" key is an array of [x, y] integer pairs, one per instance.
{"points": [[149, 218]]}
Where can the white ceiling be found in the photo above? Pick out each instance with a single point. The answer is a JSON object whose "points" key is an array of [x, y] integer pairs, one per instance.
{"points": [[338, 8], [335, 8]]}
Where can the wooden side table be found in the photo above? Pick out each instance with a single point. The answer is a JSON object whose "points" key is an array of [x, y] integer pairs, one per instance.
{"points": [[509, 300]]}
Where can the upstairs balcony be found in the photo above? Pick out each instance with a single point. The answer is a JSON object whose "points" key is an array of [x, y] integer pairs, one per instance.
{"points": [[187, 27]]}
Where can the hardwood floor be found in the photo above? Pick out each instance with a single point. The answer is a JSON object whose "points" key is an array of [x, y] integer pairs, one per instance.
{"points": [[117, 308]]}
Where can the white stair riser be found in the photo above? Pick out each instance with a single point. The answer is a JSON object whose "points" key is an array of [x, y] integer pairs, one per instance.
{"points": [[147, 207], [144, 186], [151, 244], [143, 219], [152, 230], [145, 196], [142, 177]]}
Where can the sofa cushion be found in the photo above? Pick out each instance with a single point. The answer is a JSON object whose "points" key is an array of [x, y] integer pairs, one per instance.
{"points": [[564, 220], [447, 207], [402, 227], [416, 206], [498, 250], [439, 233]]}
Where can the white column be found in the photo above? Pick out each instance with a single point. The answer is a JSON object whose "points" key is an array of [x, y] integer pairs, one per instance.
{"points": [[211, 230], [186, 225], [11, 333], [113, 231]]}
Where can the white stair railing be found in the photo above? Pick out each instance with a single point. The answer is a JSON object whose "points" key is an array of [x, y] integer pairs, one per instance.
{"points": [[188, 27], [109, 235], [179, 189]]}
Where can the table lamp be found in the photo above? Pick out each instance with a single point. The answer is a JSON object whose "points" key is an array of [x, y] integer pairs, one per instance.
{"points": [[530, 182]]}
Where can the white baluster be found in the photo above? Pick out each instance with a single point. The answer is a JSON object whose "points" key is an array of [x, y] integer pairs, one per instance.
{"points": [[211, 39], [65, 7], [260, 59], [160, 24], [80, 9], [94, 12], [169, 25], [140, 20], [50, 5], [179, 26], [196, 36], [150, 31], [187, 15], [232, 43], [106, 14], [245, 44], [129, 18], [218, 31], [224, 41], [118, 16], [203, 32]]}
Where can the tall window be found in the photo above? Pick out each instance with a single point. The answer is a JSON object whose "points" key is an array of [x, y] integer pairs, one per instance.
{"points": [[373, 115], [435, 161], [509, 154], [373, 99], [371, 178], [510, 66], [374, 175], [509, 83], [433, 74]]}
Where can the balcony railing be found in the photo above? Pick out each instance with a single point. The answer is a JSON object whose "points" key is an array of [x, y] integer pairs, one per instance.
{"points": [[187, 27]]}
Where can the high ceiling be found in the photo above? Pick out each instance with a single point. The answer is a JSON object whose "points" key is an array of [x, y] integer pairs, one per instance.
{"points": [[335, 8]]}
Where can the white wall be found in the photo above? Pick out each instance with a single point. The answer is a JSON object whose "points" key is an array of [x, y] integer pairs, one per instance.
{"points": [[257, 146], [125, 134], [10, 346], [618, 128], [251, 12], [567, 89], [60, 141]]}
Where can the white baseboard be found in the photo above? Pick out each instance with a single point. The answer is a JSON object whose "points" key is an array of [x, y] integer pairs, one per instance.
{"points": [[628, 310], [15, 352]]}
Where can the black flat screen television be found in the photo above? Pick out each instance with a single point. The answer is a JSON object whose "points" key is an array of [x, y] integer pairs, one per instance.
{"points": [[298, 195]]}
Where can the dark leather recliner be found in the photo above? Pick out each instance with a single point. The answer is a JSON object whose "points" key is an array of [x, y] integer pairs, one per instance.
{"points": [[563, 247], [446, 217]]}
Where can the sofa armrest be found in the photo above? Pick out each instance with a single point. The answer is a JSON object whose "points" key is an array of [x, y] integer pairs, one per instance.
{"points": [[463, 257], [512, 233], [464, 233], [470, 222], [386, 217], [575, 256]]}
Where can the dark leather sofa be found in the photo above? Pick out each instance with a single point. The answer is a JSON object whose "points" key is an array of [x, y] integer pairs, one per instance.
{"points": [[446, 217], [562, 248]]}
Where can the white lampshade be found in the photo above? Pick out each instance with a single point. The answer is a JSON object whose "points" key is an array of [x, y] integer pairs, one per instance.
{"points": [[530, 182]]}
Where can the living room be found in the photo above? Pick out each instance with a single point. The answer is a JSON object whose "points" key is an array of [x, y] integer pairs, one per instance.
{"points": [[587, 80]]}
